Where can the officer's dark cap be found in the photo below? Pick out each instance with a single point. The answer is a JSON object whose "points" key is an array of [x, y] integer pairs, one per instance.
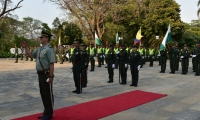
{"points": [[122, 45], [46, 33], [76, 42], [185, 45]]}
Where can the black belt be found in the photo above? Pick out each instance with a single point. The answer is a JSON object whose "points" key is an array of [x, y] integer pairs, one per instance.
{"points": [[42, 72]]}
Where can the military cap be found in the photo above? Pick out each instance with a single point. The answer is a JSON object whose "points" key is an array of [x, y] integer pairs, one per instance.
{"points": [[46, 33], [185, 45], [76, 41]]}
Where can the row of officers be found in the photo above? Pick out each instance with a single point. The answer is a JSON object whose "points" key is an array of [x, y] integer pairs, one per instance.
{"points": [[129, 58]]}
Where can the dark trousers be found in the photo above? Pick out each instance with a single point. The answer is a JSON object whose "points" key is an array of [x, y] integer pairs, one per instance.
{"points": [[100, 56], [84, 77], [151, 60], [123, 71], [21, 56], [117, 62], [159, 60], [197, 65], [103, 59], [134, 73], [184, 64], [142, 61], [61, 59], [45, 95], [193, 64], [172, 64], [177, 63], [92, 62], [110, 71], [16, 58], [77, 76], [163, 60], [26, 57]]}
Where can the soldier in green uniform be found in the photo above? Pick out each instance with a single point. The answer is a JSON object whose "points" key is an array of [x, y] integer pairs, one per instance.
{"points": [[92, 53], [135, 63], [163, 60], [123, 64], [55, 54], [173, 56], [77, 68], [142, 54], [151, 56], [194, 58], [16, 54], [61, 54], [197, 64], [116, 50], [185, 54], [22, 53], [99, 55], [106, 53], [45, 68], [111, 58], [177, 58], [85, 62]]}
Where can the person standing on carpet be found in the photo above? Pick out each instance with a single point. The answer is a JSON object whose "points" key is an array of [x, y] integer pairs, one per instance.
{"points": [[135, 63], [111, 59], [77, 62], [123, 64], [45, 69]]}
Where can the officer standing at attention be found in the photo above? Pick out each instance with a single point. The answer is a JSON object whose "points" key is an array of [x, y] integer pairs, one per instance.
{"points": [[45, 68], [142, 54], [111, 58], [177, 58], [106, 53], [16, 54], [185, 54], [85, 62], [99, 55], [194, 58], [77, 68], [197, 60], [123, 64], [135, 63], [163, 60], [92, 53], [151, 57], [173, 56]]}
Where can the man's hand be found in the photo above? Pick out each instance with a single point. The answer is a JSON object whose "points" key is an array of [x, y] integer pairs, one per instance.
{"points": [[50, 80], [24, 45]]}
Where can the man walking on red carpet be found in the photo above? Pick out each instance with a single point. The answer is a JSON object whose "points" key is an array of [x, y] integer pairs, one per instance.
{"points": [[45, 67]]}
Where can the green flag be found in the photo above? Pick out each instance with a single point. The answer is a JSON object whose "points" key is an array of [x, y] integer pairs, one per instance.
{"points": [[167, 38], [97, 40]]}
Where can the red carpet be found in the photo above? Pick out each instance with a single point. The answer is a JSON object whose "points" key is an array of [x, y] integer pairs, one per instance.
{"points": [[97, 109]]}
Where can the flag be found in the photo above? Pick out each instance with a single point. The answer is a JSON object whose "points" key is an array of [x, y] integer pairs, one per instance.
{"points": [[97, 40], [117, 38], [138, 36], [59, 42], [167, 38]]}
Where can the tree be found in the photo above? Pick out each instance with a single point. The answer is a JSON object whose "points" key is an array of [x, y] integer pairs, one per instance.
{"points": [[6, 7], [30, 28]]}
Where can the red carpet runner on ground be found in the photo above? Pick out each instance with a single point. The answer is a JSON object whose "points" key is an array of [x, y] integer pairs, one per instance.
{"points": [[97, 109]]}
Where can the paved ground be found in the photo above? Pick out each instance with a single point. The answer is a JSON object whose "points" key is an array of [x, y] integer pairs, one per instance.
{"points": [[19, 93]]}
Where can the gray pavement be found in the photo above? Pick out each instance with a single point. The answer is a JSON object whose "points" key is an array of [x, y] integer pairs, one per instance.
{"points": [[19, 92]]}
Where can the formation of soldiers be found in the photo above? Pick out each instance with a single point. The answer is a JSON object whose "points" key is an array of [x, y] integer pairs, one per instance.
{"points": [[123, 57]]}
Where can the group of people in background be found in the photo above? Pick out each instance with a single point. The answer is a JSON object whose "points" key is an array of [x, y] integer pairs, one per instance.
{"points": [[122, 57]]}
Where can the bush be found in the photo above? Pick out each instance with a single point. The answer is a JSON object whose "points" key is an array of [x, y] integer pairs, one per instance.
{"points": [[6, 55]]}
